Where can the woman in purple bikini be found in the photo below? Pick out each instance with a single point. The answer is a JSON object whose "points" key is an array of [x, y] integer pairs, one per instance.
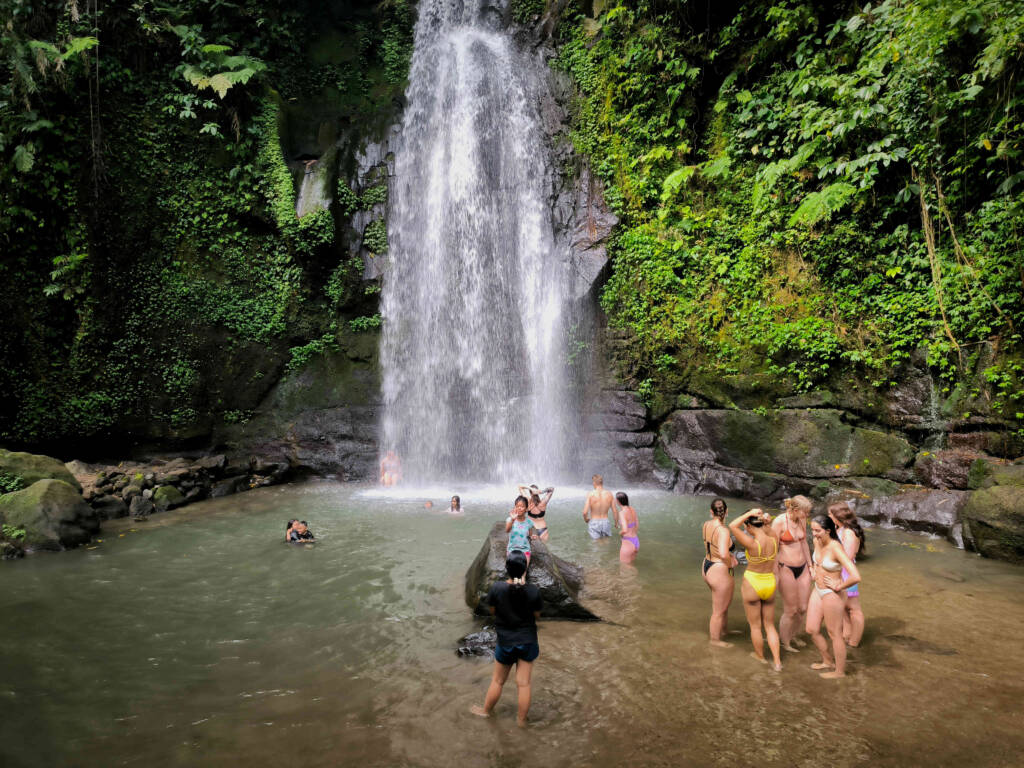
{"points": [[851, 536], [628, 528]]}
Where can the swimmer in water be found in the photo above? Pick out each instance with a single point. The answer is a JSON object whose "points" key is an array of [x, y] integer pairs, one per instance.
{"points": [[288, 530], [717, 543], [390, 469], [627, 523], [516, 606], [792, 568], [456, 506], [596, 509], [753, 531], [851, 535], [827, 599], [300, 532]]}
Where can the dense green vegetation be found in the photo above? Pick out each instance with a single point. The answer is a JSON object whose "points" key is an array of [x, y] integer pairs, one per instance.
{"points": [[155, 276], [810, 190]]}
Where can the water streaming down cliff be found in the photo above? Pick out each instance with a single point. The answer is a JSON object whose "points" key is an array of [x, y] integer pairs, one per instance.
{"points": [[475, 293]]}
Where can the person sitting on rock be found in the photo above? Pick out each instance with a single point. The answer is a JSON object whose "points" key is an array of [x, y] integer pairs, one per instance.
{"points": [[516, 606], [300, 532], [521, 529]]}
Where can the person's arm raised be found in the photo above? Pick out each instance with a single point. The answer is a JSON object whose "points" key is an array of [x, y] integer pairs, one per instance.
{"points": [[736, 527]]}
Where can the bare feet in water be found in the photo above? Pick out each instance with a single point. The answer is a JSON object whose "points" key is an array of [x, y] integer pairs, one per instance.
{"points": [[833, 675], [800, 643], [520, 723], [477, 710], [720, 644], [777, 667], [762, 659], [790, 649], [822, 665]]}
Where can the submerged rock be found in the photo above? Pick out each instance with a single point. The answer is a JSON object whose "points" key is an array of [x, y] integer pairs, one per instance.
{"points": [[480, 643], [52, 513], [559, 580]]}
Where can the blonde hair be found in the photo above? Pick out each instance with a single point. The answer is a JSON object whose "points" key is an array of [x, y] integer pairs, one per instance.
{"points": [[801, 503], [597, 479]]}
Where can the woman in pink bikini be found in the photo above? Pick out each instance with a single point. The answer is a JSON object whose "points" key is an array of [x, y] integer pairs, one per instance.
{"points": [[627, 528], [792, 568]]}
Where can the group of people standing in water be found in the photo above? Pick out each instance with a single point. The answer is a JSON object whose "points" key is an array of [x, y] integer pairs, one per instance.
{"points": [[816, 588]]}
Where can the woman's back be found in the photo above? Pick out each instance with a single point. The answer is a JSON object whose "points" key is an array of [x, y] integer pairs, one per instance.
{"points": [[762, 558], [514, 609]]}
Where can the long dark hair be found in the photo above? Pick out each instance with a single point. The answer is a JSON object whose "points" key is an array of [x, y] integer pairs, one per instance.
{"points": [[290, 524], [622, 498], [842, 512], [515, 566], [725, 508], [826, 522], [458, 502]]}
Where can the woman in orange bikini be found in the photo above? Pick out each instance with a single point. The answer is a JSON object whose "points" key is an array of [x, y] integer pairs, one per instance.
{"points": [[827, 599], [717, 543], [792, 568]]}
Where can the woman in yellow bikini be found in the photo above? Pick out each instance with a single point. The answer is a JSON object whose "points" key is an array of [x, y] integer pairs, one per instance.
{"points": [[753, 531]]}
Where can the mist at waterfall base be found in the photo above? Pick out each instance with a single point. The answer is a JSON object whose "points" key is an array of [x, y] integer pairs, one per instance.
{"points": [[475, 297]]}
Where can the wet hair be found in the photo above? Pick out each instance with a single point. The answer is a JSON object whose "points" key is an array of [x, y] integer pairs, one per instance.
{"points": [[842, 512], [290, 524], [597, 479], [757, 521], [622, 498], [458, 502], [515, 566], [535, 498], [802, 503], [304, 523], [826, 522], [715, 512]]}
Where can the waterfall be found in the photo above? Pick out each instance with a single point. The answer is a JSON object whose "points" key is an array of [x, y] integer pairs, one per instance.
{"points": [[314, 194], [475, 292]]}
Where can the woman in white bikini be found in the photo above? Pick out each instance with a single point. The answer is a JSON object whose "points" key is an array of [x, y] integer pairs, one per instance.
{"points": [[828, 598]]}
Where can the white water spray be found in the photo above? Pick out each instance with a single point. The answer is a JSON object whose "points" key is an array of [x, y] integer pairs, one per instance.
{"points": [[475, 294]]}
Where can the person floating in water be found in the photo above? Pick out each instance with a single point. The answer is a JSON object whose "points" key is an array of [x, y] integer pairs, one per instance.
{"points": [[521, 529], [627, 524], [596, 509], [299, 531], [390, 469], [516, 606]]}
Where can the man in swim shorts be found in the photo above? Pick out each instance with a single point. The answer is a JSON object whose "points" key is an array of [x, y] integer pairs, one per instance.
{"points": [[596, 509]]}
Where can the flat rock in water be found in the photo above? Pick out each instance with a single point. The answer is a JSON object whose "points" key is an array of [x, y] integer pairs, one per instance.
{"points": [[559, 580], [479, 643]]}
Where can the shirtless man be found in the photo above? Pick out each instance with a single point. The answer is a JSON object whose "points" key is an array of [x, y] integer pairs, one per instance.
{"points": [[596, 509]]}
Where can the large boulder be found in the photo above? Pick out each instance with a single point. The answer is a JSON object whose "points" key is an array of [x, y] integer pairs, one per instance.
{"points": [[167, 497], [53, 514], [916, 509], [814, 443], [31, 467], [945, 469], [559, 580], [993, 522]]}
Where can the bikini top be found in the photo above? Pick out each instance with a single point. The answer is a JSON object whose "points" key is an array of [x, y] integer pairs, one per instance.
{"points": [[712, 549], [759, 558], [787, 536], [829, 564], [538, 515]]}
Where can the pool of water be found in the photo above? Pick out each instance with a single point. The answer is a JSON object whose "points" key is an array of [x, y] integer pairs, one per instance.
{"points": [[201, 639]]}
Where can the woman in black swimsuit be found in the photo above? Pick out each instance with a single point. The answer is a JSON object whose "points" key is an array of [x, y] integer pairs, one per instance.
{"points": [[717, 545], [538, 508], [792, 568]]}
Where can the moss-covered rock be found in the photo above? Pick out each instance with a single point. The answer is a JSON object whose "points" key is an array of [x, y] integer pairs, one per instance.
{"points": [[167, 497], [53, 514], [31, 467], [986, 473], [993, 522], [797, 443]]}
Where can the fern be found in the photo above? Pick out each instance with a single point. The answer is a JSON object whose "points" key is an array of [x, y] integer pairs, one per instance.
{"points": [[821, 205]]}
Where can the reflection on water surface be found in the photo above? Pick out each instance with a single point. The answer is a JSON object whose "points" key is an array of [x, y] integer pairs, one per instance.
{"points": [[201, 639]]}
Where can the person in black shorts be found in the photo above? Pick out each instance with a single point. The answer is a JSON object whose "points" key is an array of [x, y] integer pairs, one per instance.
{"points": [[516, 606]]}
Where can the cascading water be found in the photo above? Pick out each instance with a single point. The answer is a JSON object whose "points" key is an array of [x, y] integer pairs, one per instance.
{"points": [[475, 292]]}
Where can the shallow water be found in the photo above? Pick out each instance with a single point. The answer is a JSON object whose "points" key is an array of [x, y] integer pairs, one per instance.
{"points": [[201, 639]]}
